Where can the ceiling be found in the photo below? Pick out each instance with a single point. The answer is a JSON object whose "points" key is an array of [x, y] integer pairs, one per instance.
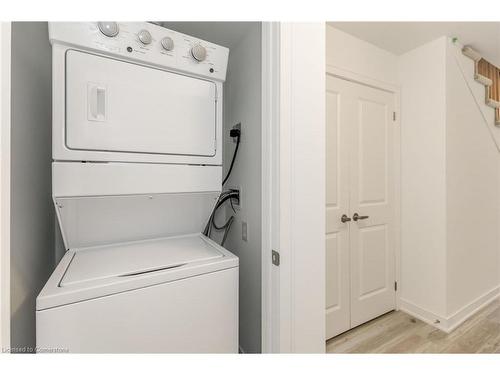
{"points": [[227, 34], [400, 37]]}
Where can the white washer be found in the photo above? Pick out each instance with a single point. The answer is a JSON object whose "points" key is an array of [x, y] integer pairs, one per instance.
{"points": [[175, 295], [137, 129]]}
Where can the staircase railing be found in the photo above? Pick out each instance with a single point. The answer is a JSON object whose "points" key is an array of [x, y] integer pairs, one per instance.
{"points": [[489, 75], [491, 125]]}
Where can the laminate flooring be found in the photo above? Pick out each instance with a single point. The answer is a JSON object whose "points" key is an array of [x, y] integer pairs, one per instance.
{"points": [[398, 332]]}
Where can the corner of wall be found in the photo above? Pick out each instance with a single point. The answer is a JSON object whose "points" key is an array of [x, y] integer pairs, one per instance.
{"points": [[5, 67], [423, 184], [243, 103], [32, 211], [473, 190]]}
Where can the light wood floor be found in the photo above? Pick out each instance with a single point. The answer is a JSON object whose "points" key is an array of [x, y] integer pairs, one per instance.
{"points": [[397, 332]]}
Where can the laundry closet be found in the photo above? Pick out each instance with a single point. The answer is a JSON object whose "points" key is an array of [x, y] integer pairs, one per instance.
{"points": [[148, 120]]}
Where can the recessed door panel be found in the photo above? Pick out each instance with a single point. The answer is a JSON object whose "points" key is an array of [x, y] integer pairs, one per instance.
{"points": [[373, 261], [337, 284], [333, 262], [118, 106], [332, 152], [372, 146]]}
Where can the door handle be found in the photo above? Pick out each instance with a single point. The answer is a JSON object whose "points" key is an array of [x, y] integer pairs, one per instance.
{"points": [[96, 102], [357, 217], [345, 218]]}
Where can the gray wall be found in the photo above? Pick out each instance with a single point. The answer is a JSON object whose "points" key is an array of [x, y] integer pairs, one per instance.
{"points": [[242, 100], [32, 215], [242, 103]]}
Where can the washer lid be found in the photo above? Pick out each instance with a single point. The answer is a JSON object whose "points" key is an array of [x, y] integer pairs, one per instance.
{"points": [[106, 220], [103, 271], [137, 258]]}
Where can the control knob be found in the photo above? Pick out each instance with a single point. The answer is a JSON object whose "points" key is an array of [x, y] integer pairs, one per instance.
{"points": [[145, 37], [198, 52], [167, 43], [109, 29]]}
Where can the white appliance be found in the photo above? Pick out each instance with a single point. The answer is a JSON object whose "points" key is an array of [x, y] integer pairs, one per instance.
{"points": [[137, 141]]}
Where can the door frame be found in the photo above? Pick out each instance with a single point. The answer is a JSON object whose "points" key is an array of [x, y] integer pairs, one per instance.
{"points": [[5, 64], [270, 185], [293, 293], [394, 89]]}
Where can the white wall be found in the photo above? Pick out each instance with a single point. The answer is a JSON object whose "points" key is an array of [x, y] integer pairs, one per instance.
{"points": [[5, 38], [450, 187], [472, 193], [32, 219], [450, 250], [302, 188], [355, 55], [422, 74], [242, 103]]}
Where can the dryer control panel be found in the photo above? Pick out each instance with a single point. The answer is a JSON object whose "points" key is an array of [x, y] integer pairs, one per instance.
{"points": [[145, 42]]}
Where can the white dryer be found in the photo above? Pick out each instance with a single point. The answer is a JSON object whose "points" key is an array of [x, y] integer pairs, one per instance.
{"points": [[137, 129]]}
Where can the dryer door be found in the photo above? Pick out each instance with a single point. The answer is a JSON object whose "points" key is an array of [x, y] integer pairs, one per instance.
{"points": [[119, 106]]}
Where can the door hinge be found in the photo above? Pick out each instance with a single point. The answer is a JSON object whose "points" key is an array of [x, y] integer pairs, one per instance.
{"points": [[395, 286], [275, 256], [393, 116]]}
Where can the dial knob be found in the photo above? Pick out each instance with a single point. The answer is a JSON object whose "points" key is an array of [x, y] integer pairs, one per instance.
{"points": [[167, 43], [145, 37], [199, 52], [110, 29]]}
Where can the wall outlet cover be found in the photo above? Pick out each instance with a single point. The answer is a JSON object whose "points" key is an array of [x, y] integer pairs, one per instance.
{"points": [[244, 231], [237, 205]]}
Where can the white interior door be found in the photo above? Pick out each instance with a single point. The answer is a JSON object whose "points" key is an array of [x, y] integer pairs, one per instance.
{"points": [[338, 310], [361, 184], [372, 198]]}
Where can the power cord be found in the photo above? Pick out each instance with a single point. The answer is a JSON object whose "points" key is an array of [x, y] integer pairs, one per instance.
{"points": [[223, 197], [233, 133]]}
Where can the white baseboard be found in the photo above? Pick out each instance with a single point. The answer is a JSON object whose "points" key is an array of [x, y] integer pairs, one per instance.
{"points": [[422, 314], [448, 324], [465, 312]]}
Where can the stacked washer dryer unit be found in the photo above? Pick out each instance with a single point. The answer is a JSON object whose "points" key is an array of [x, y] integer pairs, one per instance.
{"points": [[137, 149]]}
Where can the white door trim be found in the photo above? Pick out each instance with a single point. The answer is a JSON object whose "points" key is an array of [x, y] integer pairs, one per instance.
{"points": [[293, 187], [364, 80], [270, 185], [298, 192], [5, 44]]}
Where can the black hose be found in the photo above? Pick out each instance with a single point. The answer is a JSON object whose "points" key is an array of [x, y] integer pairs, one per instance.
{"points": [[226, 231], [234, 133], [222, 198]]}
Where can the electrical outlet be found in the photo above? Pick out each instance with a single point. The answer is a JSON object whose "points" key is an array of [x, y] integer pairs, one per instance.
{"points": [[237, 126], [237, 202], [244, 231]]}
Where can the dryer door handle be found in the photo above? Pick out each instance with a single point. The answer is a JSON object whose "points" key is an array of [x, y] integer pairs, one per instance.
{"points": [[96, 95]]}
